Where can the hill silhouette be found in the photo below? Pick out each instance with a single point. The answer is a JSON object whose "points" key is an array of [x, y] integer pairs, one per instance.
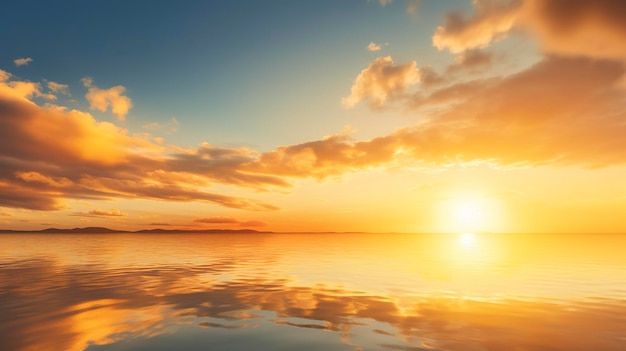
{"points": [[103, 230]]}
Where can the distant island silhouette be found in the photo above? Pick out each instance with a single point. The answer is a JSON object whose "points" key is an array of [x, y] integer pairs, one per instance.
{"points": [[103, 230]]}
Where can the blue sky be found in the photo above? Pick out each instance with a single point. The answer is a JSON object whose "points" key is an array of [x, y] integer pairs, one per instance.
{"points": [[200, 61]]}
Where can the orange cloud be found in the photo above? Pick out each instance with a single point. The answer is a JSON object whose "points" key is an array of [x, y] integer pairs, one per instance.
{"points": [[114, 212], [579, 27], [567, 27], [561, 111], [491, 22], [101, 99], [217, 220], [380, 81], [22, 61], [50, 154]]}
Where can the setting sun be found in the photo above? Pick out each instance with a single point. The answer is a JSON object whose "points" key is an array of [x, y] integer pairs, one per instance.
{"points": [[471, 213]]}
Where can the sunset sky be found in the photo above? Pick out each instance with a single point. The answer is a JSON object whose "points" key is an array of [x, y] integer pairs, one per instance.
{"points": [[325, 115]]}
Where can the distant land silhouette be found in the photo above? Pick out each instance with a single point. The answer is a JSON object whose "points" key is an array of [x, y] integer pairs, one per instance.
{"points": [[103, 230]]}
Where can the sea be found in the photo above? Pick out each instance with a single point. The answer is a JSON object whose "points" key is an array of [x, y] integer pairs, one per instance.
{"points": [[317, 292]]}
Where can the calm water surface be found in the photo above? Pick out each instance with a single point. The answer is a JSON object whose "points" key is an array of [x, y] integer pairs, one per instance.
{"points": [[312, 292]]}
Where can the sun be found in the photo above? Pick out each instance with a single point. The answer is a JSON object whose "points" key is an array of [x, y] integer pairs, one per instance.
{"points": [[470, 213]]}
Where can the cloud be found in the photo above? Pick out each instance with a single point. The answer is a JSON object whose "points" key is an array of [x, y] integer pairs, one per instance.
{"points": [[413, 6], [6, 214], [100, 213], [102, 99], [252, 223], [50, 154], [21, 89], [579, 28], [230, 220], [217, 220], [168, 127], [491, 22], [380, 81], [470, 60], [385, 2], [4, 76], [59, 88], [561, 111], [567, 27], [372, 46], [22, 61]]}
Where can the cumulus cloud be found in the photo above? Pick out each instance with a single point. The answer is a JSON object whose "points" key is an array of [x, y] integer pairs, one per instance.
{"points": [[114, 212], [372, 46], [382, 80], [102, 99], [22, 61]]}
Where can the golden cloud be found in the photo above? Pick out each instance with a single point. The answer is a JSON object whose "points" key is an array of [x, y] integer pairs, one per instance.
{"points": [[380, 81], [102, 99], [491, 22], [561, 111], [566, 27], [50, 154], [114, 212]]}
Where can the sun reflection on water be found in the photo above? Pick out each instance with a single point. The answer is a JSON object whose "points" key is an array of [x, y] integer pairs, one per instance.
{"points": [[467, 240]]}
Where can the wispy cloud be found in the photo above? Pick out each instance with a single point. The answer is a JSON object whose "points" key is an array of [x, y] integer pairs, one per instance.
{"points": [[114, 212], [167, 128], [230, 220], [59, 88], [22, 61], [413, 6]]}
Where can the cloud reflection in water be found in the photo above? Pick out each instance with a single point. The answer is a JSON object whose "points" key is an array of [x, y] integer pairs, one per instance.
{"points": [[47, 305]]}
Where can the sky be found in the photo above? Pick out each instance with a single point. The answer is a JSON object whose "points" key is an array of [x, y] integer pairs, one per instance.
{"points": [[378, 116]]}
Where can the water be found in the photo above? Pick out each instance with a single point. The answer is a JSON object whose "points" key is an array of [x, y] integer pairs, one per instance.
{"points": [[312, 292]]}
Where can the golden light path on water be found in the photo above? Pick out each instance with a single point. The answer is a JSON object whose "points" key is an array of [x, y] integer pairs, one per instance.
{"points": [[465, 291]]}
